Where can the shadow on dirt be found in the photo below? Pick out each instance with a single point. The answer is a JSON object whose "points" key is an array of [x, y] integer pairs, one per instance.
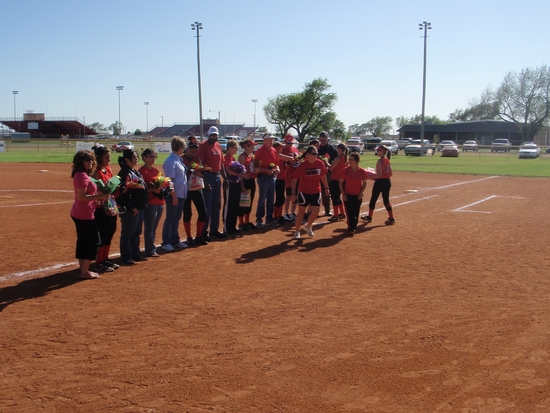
{"points": [[37, 287], [304, 244]]}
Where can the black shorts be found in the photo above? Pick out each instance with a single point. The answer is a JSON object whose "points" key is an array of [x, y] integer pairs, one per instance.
{"points": [[309, 199]]}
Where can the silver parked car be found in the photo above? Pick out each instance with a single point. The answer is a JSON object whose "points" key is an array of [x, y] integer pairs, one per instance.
{"points": [[529, 150], [391, 145]]}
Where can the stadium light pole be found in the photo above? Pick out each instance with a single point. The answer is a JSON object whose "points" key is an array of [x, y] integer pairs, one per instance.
{"points": [[162, 126], [198, 27], [254, 101], [119, 88], [146, 116], [423, 26], [15, 92]]}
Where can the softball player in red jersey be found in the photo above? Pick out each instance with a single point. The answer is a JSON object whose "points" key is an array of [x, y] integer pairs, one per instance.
{"points": [[311, 173]]}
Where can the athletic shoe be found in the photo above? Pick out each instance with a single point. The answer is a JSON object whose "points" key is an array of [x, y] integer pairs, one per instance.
{"points": [[111, 264], [141, 258], [292, 215], [342, 216], [168, 248], [334, 218], [328, 214], [309, 231], [250, 225], [89, 275], [367, 218], [273, 223], [153, 254], [103, 268], [180, 245], [243, 227], [390, 221], [288, 217], [129, 262], [190, 241], [296, 234], [201, 241], [219, 235], [260, 224]]}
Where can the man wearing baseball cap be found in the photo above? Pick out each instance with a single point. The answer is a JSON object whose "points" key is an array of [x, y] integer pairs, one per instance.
{"points": [[326, 150], [210, 154]]}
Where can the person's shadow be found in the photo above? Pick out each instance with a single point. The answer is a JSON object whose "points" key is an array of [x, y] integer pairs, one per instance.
{"points": [[37, 287]]}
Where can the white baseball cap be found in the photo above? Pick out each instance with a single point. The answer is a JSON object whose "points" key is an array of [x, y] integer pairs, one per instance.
{"points": [[213, 130]]}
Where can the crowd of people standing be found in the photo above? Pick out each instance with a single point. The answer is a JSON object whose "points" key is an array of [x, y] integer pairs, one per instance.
{"points": [[290, 187]]}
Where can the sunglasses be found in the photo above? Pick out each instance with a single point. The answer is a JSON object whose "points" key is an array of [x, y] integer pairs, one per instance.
{"points": [[88, 159]]}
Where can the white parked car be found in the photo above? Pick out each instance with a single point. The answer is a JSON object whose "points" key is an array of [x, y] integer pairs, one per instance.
{"points": [[445, 143], [391, 145], [119, 147], [470, 146], [355, 145], [529, 150]]}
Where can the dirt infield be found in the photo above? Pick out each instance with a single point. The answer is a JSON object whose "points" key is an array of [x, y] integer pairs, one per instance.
{"points": [[446, 311]]}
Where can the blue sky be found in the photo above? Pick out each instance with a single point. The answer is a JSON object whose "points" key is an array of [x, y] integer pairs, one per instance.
{"points": [[67, 57]]}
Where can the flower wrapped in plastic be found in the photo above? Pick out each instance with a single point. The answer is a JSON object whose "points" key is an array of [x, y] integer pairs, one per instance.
{"points": [[133, 183], [161, 181], [107, 187], [237, 168]]}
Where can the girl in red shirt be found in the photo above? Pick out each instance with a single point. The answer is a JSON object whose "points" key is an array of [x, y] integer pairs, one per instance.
{"points": [[248, 183], [311, 173], [155, 202], [352, 183], [106, 224], [382, 184]]}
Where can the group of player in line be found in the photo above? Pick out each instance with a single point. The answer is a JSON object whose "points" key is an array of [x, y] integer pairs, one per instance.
{"points": [[284, 179]]}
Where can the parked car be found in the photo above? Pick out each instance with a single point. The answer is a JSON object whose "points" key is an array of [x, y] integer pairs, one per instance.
{"points": [[501, 145], [223, 144], [529, 150], [470, 146], [444, 143], [355, 145], [414, 147], [401, 143], [371, 143], [335, 142], [391, 145], [119, 147], [450, 151]]}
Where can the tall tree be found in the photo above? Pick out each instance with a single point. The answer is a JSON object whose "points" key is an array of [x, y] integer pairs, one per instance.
{"points": [[307, 112], [116, 128], [524, 99], [379, 126], [484, 107], [96, 126]]}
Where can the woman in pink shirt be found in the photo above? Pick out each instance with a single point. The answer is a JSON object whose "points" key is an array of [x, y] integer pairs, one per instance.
{"points": [[82, 212]]}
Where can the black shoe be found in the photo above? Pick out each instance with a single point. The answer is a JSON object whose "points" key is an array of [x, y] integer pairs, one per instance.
{"points": [[201, 241], [250, 225], [342, 216], [141, 258], [367, 218], [219, 235], [334, 218], [190, 241], [243, 227], [390, 221], [232, 231]]}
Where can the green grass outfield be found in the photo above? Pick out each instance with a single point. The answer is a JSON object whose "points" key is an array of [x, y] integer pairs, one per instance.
{"points": [[480, 163]]}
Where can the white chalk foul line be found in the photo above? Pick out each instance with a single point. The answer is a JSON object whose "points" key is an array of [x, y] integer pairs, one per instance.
{"points": [[33, 205]]}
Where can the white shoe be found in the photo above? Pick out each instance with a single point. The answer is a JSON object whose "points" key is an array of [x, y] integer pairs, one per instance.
{"points": [[309, 231], [168, 248], [287, 217], [296, 234], [181, 245]]}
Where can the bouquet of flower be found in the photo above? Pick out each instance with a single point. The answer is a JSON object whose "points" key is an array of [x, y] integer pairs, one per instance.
{"points": [[238, 168], [161, 181], [272, 166], [370, 172], [109, 205], [133, 183], [107, 187]]}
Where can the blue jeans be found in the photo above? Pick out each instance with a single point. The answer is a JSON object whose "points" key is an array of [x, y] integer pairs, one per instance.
{"points": [[170, 233], [213, 203], [131, 228], [151, 222], [266, 190]]}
